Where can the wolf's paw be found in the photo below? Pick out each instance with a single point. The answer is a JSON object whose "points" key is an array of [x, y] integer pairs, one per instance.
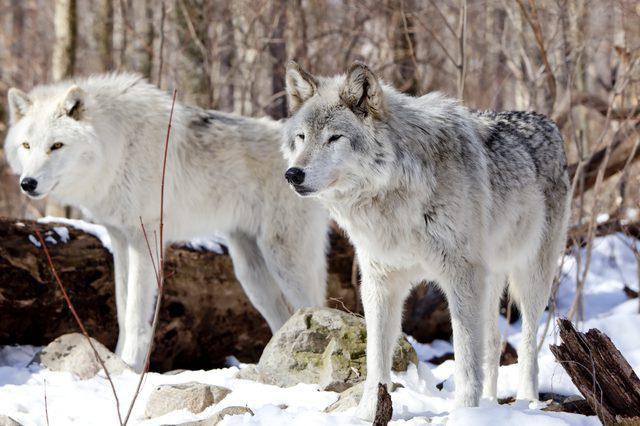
{"points": [[367, 407], [469, 397]]}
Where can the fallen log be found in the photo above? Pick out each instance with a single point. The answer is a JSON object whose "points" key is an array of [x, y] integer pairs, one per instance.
{"points": [[600, 372], [578, 233], [205, 314]]}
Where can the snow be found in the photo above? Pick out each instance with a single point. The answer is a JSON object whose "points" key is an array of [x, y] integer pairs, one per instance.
{"points": [[97, 231], [70, 401], [213, 243]]}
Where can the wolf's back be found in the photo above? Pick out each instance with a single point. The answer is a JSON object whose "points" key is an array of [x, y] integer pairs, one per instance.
{"points": [[521, 144]]}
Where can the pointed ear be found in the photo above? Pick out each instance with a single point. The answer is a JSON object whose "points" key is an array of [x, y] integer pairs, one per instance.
{"points": [[362, 92], [73, 103], [19, 104], [300, 85]]}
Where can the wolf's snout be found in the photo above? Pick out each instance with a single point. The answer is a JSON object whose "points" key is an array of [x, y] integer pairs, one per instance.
{"points": [[294, 176], [28, 184]]}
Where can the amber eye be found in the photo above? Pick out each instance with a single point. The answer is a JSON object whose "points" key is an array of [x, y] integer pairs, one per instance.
{"points": [[56, 145], [26, 145]]}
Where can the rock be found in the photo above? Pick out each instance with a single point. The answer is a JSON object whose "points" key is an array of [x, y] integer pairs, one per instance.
{"points": [[347, 399], [323, 346], [217, 417], [72, 353], [8, 421], [192, 396]]}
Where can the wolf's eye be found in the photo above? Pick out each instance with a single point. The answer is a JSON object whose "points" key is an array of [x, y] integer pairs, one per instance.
{"points": [[26, 145], [334, 138], [301, 136], [56, 145]]}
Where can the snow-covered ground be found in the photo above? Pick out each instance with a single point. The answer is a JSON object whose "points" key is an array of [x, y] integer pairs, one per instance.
{"points": [[90, 402]]}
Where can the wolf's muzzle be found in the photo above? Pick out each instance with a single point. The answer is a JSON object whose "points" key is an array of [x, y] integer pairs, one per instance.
{"points": [[29, 185], [295, 176]]}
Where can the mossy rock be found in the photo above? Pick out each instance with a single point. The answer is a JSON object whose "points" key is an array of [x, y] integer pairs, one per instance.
{"points": [[324, 346]]}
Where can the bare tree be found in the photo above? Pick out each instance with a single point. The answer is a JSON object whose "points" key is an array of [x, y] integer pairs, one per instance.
{"points": [[277, 49], [103, 32]]}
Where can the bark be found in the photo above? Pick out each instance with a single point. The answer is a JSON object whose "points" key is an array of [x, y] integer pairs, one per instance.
{"points": [[600, 372], [384, 408], [64, 50], [277, 49], [195, 69], [103, 32], [403, 43]]}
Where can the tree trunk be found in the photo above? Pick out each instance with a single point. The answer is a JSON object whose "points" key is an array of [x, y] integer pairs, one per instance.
{"points": [[103, 32], [277, 48], [64, 50], [600, 373]]}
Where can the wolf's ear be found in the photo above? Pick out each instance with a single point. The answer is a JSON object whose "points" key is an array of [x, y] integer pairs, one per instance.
{"points": [[300, 85], [73, 103], [362, 92], [19, 104]]}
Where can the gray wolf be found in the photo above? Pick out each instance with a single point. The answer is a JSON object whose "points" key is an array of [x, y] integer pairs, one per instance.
{"points": [[98, 143], [428, 190]]}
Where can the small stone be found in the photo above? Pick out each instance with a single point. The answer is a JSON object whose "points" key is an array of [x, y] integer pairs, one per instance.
{"points": [[217, 417], [8, 421], [72, 353], [192, 396]]}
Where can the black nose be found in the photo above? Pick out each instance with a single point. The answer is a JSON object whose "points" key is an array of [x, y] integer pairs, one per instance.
{"points": [[294, 176], [29, 184]]}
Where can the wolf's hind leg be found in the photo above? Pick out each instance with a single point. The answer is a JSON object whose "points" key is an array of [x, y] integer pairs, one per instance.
{"points": [[252, 272], [298, 264], [496, 282], [466, 294]]}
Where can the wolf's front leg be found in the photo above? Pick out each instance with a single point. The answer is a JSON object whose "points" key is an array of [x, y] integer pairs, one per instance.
{"points": [[466, 297], [383, 294], [141, 299], [119, 247]]}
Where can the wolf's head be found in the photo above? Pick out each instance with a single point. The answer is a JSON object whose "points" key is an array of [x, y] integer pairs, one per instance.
{"points": [[332, 140], [51, 143]]}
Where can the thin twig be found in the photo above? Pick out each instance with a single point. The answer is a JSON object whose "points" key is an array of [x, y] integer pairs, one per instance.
{"points": [[79, 321], [46, 405]]}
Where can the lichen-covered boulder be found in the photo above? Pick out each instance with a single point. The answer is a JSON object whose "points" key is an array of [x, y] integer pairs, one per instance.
{"points": [[323, 346]]}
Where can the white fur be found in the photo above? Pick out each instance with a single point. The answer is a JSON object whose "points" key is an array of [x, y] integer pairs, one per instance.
{"points": [[224, 175]]}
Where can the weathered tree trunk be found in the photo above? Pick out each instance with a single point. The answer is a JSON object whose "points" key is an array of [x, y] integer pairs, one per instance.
{"points": [[205, 314], [144, 36], [600, 373], [194, 71], [64, 50], [103, 32], [277, 48], [403, 43]]}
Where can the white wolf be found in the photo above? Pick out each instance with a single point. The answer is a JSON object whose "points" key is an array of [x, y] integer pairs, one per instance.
{"points": [[429, 190], [98, 143]]}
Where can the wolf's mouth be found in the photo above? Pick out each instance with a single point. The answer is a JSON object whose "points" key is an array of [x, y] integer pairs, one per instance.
{"points": [[303, 190]]}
